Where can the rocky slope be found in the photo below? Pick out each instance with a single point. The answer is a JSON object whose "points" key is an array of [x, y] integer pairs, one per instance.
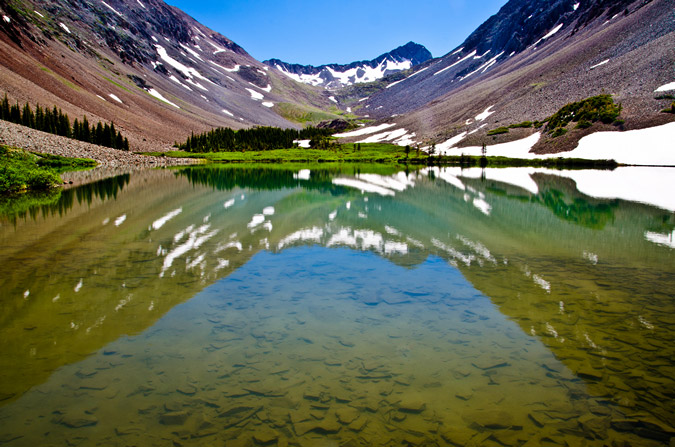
{"points": [[147, 66], [335, 76], [529, 60]]}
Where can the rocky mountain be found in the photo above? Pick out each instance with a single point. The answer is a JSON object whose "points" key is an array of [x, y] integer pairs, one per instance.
{"points": [[147, 66], [526, 62], [335, 76]]}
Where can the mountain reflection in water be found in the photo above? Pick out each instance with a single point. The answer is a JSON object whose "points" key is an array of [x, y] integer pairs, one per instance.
{"points": [[587, 281]]}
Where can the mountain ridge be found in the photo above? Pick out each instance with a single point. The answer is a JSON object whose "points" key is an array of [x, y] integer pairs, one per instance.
{"points": [[335, 76]]}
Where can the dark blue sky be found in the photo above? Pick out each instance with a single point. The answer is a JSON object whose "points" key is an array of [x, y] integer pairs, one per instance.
{"points": [[321, 32]]}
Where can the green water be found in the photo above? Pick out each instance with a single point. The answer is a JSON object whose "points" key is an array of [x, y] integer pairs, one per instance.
{"points": [[270, 307]]}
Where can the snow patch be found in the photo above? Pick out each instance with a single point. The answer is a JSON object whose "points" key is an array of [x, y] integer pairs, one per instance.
{"points": [[189, 72], [113, 96], [553, 31], [332, 98], [65, 28], [111, 8], [36, 12], [142, 5], [268, 104], [364, 131], [302, 143], [486, 113], [599, 64], [385, 136], [177, 81], [666, 87], [159, 96], [227, 112], [575, 6], [6, 19], [191, 51], [468, 56], [257, 96]]}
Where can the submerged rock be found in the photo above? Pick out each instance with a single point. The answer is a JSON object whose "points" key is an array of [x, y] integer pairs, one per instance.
{"points": [[77, 421], [412, 405], [265, 436], [347, 415], [174, 418]]}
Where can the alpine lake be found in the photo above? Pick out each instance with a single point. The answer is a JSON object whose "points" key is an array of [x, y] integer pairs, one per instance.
{"points": [[332, 306]]}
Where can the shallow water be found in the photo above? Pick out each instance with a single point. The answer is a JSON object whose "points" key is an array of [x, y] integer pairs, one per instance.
{"points": [[266, 307]]}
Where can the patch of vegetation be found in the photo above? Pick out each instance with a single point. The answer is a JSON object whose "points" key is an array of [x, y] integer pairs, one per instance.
{"points": [[62, 164], [19, 171], [665, 96], [671, 110], [558, 132], [584, 113], [303, 114], [336, 153], [597, 108], [499, 130], [56, 122], [116, 84], [524, 124], [61, 79]]}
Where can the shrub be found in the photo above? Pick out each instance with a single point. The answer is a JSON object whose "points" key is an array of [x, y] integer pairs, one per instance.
{"points": [[523, 124], [498, 131], [671, 110], [558, 131], [583, 124], [41, 179], [597, 108]]}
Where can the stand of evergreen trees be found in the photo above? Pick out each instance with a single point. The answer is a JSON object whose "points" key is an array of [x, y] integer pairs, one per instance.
{"points": [[56, 122], [254, 139]]}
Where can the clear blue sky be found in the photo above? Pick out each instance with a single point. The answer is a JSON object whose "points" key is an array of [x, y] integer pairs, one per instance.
{"points": [[339, 31]]}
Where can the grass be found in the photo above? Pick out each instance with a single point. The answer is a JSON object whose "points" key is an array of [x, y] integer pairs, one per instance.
{"points": [[498, 130], [369, 153], [24, 171], [303, 114], [19, 171], [374, 157], [61, 79], [63, 164]]}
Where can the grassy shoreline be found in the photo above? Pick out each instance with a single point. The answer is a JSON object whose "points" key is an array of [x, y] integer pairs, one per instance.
{"points": [[382, 154], [22, 171]]}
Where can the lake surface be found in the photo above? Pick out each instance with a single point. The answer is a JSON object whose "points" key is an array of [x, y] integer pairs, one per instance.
{"points": [[257, 306]]}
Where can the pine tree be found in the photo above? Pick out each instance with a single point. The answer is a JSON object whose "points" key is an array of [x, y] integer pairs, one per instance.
{"points": [[4, 109]]}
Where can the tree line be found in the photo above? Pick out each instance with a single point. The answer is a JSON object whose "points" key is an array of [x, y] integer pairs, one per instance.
{"points": [[56, 122], [225, 139]]}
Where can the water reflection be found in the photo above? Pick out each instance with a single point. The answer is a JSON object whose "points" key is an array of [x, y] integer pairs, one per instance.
{"points": [[58, 201], [584, 279]]}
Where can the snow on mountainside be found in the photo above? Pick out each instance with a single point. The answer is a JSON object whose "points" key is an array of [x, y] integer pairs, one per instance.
{"points": [[335, 76], [147, 66], [525, 63]]}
